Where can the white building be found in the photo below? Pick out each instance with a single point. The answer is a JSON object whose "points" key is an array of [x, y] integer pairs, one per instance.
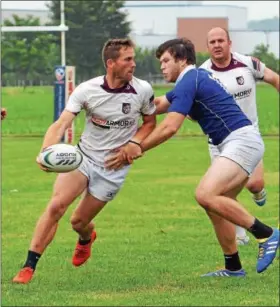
{"points": [[242, 41], [153, 22], [161, 18]]}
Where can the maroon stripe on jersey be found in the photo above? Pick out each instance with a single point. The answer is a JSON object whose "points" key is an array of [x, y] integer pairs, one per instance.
{"points": [[256, 63], [127, 88], [232, 65]]}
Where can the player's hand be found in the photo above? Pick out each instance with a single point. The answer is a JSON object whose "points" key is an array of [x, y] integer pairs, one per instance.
{"points": [[43, 168], [133, 152], [117, 159], [3, 113]]}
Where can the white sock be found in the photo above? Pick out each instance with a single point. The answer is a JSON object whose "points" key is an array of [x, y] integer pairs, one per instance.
{"points": [[240, 232]]}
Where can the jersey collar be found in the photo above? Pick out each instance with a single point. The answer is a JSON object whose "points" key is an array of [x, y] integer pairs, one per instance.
{"points": [[126, 88], [216, 68], [188, 68], [234, 63]]}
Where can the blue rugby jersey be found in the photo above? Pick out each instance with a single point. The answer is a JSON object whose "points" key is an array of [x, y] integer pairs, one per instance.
{"points": [[202, 96]]}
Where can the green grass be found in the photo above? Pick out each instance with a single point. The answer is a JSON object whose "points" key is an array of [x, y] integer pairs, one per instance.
{"points": [[153, 242], [31, 111]]}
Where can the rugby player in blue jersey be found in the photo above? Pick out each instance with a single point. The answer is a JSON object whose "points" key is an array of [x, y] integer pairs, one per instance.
{"points": [[201, 96]]}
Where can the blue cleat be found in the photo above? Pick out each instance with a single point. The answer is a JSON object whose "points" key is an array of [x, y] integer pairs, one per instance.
{"points": [[267, 251], [260, 198], [226, 273]]}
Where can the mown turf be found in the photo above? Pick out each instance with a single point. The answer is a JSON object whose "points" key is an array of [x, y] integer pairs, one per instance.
{"points": [[154, 241], [31, 111]]}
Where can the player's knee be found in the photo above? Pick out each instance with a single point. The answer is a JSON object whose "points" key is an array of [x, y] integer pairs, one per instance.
{"points": [[255, 185], [204, 198], [57, 207]]}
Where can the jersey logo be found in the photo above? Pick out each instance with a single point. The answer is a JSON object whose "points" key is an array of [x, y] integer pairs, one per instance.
{"points": [[126, 108], [240, 80]]}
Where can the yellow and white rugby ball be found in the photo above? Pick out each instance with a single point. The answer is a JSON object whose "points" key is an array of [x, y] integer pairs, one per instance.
{"points": [[61, 158]]}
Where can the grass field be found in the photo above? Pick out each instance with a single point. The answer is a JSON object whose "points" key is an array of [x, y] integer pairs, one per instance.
{"points": [[31, 111], [153, 240]]}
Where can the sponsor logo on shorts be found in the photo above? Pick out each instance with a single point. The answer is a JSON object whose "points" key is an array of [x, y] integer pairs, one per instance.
{"points": [[113, 124], [110, 194]]}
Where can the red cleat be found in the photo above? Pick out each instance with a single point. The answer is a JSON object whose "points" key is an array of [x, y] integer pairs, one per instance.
{"points": [[24, 276], [83, 252]]}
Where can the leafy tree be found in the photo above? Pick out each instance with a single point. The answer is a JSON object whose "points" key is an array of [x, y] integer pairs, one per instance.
{"points": [[91, 24], [262, 53], [201, 57], [146, 62], [29, 55]]}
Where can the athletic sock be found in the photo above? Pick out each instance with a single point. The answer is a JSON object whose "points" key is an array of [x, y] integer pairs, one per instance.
{"points": [[260, 230], [32, 259], [232, 262], [259, 195], [84, 242]]}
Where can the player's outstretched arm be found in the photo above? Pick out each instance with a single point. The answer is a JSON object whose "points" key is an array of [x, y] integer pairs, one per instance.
{"points": [[164, 131], [56, 131], [162, 104], [271, 77]]}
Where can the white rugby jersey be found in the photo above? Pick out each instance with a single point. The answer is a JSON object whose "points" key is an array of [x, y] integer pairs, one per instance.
{"points": [[240, 77], [112, 115]]}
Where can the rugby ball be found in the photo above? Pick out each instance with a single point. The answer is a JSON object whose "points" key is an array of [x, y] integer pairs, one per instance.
{"points": [[61, 158]]}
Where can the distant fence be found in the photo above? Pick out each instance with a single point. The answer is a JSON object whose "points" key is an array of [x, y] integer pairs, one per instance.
{"points": [[153, 79]]}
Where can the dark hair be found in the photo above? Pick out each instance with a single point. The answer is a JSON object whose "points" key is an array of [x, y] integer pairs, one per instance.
{"points": [[111, 49], [179, 48]]}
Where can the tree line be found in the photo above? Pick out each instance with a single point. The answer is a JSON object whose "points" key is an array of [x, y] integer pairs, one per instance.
{"points": [[33, 55]]}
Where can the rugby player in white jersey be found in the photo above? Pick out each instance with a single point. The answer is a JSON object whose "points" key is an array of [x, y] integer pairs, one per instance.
{"points": [[113, 103], [239, 73]]}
